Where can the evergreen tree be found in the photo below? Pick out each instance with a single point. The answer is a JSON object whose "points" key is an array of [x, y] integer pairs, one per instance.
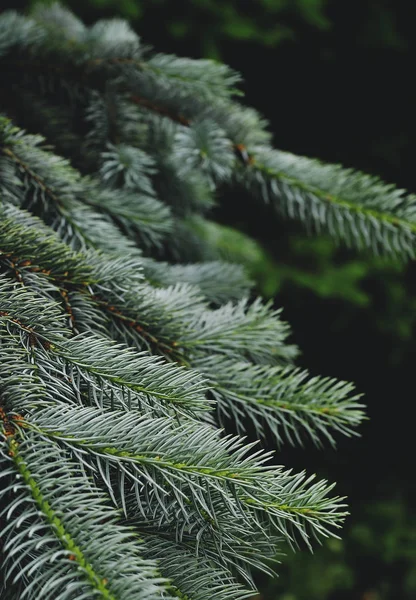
{"points": [[128, 347]]}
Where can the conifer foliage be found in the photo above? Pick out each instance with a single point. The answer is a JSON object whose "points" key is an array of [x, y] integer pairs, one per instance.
{"points": [[132, 358]]}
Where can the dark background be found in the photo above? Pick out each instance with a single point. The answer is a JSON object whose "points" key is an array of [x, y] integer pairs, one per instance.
{"points": [[335, 80]]}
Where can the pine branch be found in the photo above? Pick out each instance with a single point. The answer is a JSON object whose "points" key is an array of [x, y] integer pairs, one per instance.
{"points": [[236, 545], [88, 418], [49, 185], [218, 281], [53, 539], [94, 358], [253, 331], [353, 207], [93, 275], [123, 366], [192, 577], [284, 401], [31, 314], [34, 247], [186, 462]]}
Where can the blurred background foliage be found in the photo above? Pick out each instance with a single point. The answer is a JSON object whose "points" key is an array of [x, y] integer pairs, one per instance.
{"points": [[335, 80], [208, 23]]}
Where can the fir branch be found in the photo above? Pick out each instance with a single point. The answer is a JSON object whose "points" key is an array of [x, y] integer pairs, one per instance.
{"points": [[218, 281], [67, 547], [236, 546], [31, 314], [135, 327], [150, 375], [355, 208], [85, 419], [193, 577], [159, 110], [34, 247], [284, 401], [178, 460], [49, 380], [138, 216], [253, 331], [138, 371], [50, 185], [28, 243]]}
